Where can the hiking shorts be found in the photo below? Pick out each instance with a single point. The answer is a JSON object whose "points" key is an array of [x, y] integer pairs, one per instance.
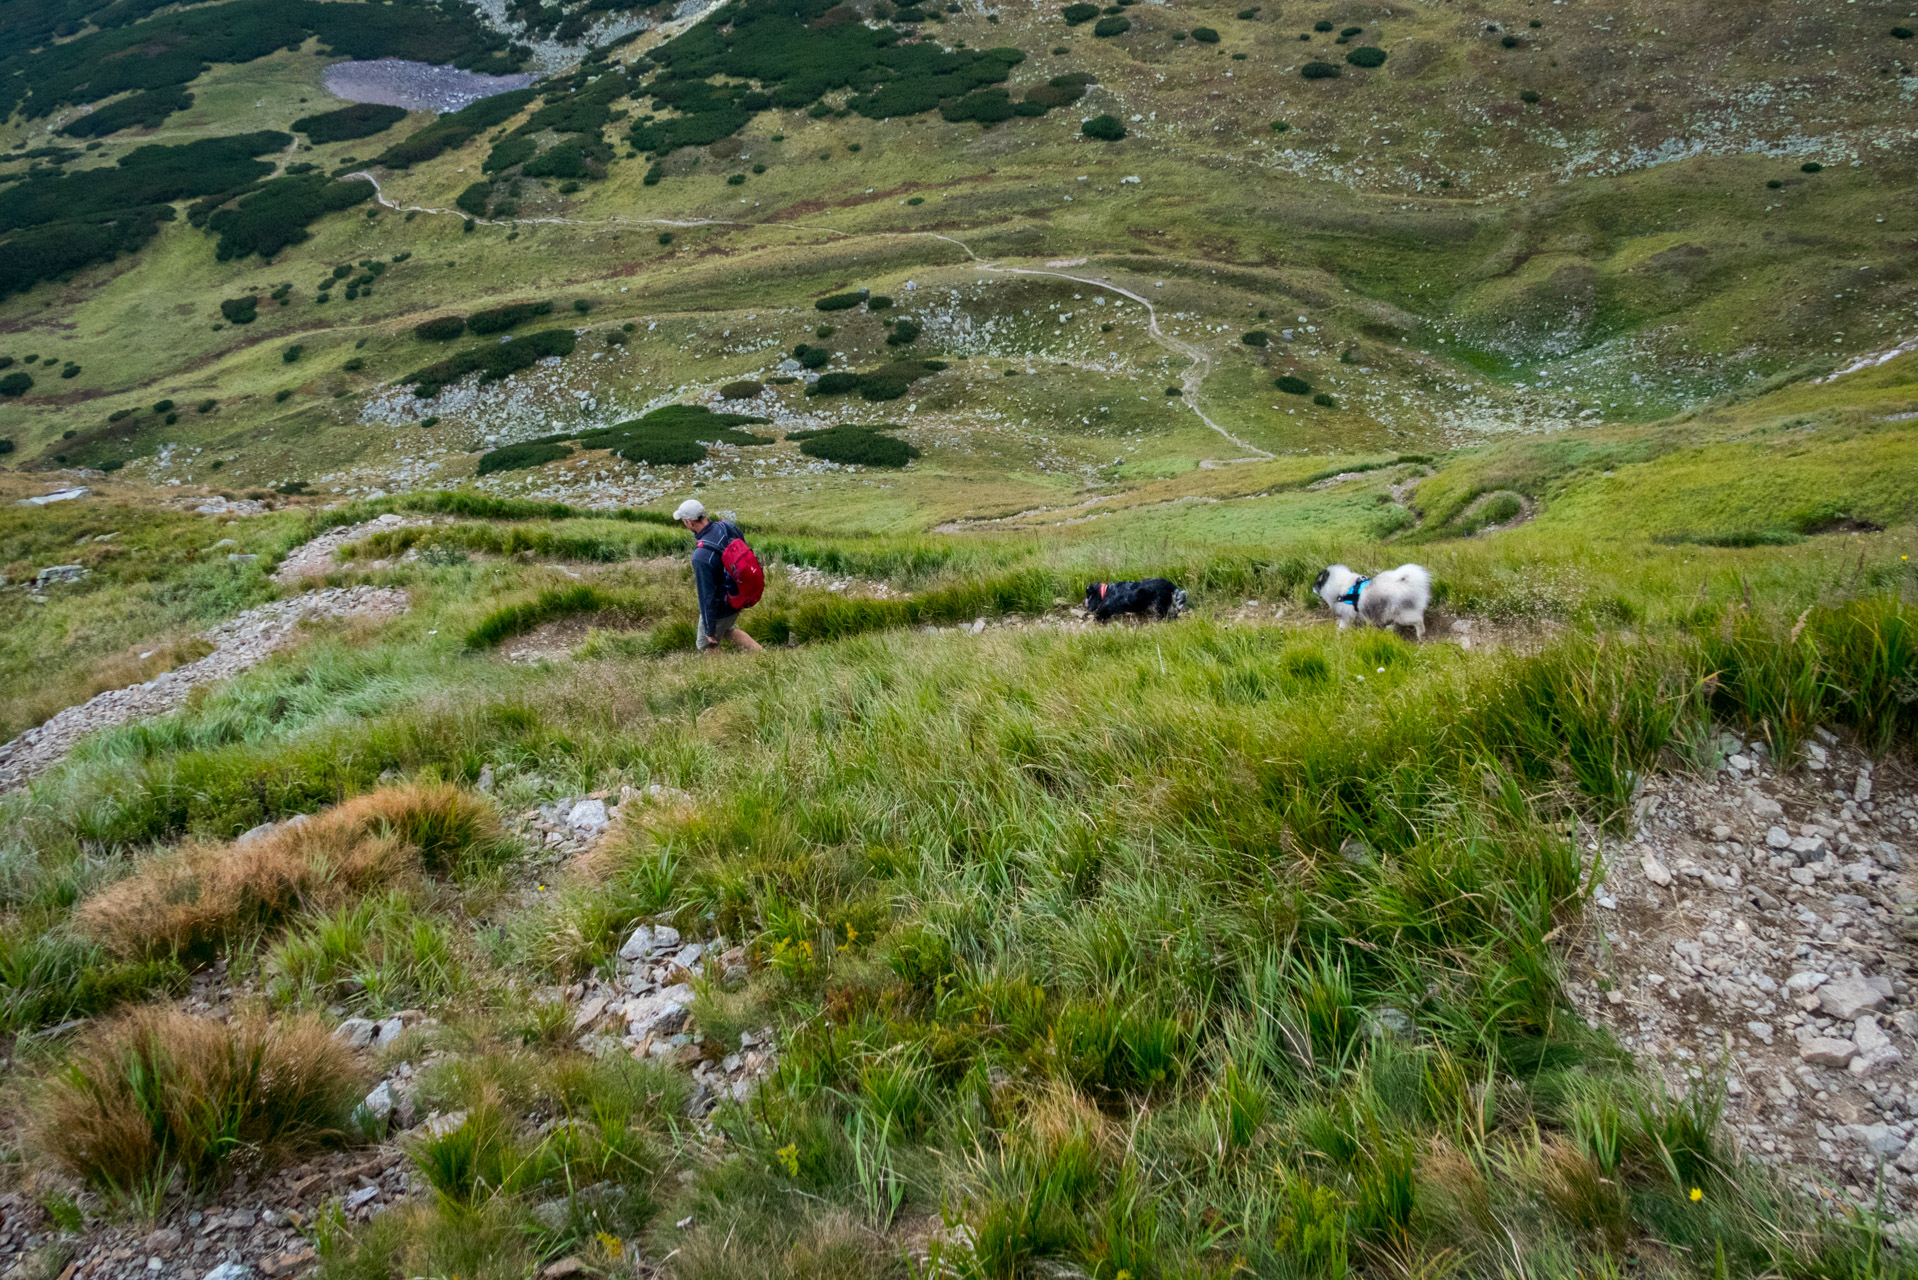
{"points": [[722, 627]]}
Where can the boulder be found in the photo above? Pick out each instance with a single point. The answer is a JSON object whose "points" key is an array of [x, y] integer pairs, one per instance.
{"points": [[356, 1032], [1826, 1051], [1846, 998]]}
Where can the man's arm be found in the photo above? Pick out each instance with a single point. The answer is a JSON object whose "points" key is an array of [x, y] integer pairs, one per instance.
{"points": [[708, 578]]}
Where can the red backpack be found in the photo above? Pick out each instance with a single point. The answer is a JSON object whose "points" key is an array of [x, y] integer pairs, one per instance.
{"points": [[745, 578]]}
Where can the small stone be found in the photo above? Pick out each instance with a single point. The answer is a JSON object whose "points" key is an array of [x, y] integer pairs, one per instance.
{"points": [[485, 782], [439, 1126], [1778, 838], [379, 1103], [1655, 871], [1846, 998], [164, 1240], [638, 945], [365, 1195], [1760, 1031], [665, 937], [229, 1271], [589, 1013], [1764, 808], [356, 1032], [1908, 1160], [286, 1264], [1827, 1051], [588, 815], [1742, 763], [1879, 1139], [1875, 1049], [563, 1268], [389, 1031]]}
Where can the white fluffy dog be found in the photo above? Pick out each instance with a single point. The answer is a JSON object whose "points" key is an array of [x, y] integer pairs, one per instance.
{"points": [[1396, 598]]}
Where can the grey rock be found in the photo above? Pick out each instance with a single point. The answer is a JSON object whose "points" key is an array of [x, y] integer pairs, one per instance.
{"points": [[1764, 808], [356, 1032], [229, 1271], [639, 945], [62, 495], [1908, 1159], [1827, 1051], [438, 1126], [163, 1240], [379, 1103], [59, 573], [665, 937], [365, 1195], [588, 815], [589, 1013], [1760, 1030], [388, 1032], [686, 957], [1875, 1049], [1846, 998], [234, 557], [1878, 1139], [1778, 838], [1655, 871]]}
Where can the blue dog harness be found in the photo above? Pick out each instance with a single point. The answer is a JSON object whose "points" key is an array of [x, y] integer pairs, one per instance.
{"points": [[1352, 597]]}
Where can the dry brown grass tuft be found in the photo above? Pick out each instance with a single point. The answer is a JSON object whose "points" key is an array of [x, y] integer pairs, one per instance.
{"points": [[189, 900], [157, 1090]]}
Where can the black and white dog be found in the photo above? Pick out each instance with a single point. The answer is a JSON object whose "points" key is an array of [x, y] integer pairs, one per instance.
{"points": [[1395, 598], [1157, 596]]}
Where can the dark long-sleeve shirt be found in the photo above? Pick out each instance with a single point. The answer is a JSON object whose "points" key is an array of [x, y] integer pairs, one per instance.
{"points": [[709, 574]]}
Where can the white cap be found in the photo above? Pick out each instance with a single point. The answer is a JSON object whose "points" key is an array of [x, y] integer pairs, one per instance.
{"points": [[691, 509]]}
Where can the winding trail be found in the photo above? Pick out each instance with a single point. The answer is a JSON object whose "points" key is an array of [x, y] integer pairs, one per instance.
{"points": [[1190, 380]]}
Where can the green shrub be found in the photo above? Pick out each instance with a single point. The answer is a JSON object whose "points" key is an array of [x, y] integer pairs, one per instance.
{"points": [[16, 384], [1105, 28], [292, 353], [354, 365], [744, 389], [500, 319], [1257, 338], [1901, 33], [492, 362], [472, 201], [1811, 166], [654, 172], [508, 152], [811, 357], [1366, 56], [736, 180], [1509, 42], [904, 333], [1319, 71], [1103, 128], [851, 445], [279, 397], [840, 301], [162, 406], [6, 445], [1322, 25], [440, 329], [1280, 126], [1205, 35], [277, 215], [240, 310], [986, 106], [147, 110], [1078, 14], [1325, 401], [1528, 96], [878, 302], [519, 457], [567, 160], [361, 120], [1291, 385], [205, 406], [888, 382], [674, 435], [1349, 32]]}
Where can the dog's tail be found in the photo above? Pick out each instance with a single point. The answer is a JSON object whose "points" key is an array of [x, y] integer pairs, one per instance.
{"points": [[1178, 600]]}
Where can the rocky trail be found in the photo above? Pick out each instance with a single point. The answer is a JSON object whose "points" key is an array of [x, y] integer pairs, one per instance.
{"points": [[238, 644], [1757, 926]]}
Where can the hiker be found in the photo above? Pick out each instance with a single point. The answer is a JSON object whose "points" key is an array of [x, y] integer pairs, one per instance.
{"points": [[727, 574]]}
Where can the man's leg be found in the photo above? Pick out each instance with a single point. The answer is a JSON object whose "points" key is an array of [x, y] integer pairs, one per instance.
{"points": [[744, 641]]}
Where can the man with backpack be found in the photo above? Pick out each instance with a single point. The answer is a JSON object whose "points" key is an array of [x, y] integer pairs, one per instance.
{"points": [[727, 574]]}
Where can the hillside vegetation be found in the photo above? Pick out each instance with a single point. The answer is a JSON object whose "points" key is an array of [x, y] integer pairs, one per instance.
{"points": [[494, 933]]}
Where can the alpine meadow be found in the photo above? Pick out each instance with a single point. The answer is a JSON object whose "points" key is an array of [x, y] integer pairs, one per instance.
{"points": [[1334, 693]]}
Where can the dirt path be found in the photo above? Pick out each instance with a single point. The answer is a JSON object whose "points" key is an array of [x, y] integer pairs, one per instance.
{"points": [[1190, 380], [238, 644]]}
